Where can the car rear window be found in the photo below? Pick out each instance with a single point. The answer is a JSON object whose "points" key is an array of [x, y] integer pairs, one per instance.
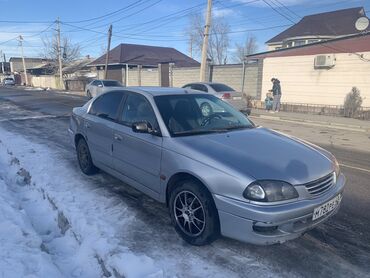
{"points": [[218, 87], [10, 79], [111, 83]]}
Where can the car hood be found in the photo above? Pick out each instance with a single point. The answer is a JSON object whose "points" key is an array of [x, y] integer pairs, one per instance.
{"points": [[259, 153]]}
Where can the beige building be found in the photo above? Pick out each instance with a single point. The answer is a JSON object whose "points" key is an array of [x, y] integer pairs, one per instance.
{"points": [[321, 73], [16, 63], [318, 27]]}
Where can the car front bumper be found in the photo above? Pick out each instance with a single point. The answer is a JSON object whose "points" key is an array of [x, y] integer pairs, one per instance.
{"points": [[264, 224]]}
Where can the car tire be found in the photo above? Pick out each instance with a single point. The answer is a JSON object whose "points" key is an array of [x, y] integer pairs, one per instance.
{"points": [[84, 158], [196, 220], [88, 94]]}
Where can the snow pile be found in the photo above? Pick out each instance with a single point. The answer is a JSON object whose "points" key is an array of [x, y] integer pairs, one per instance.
{"points": [[75, 227], [21, 247], [44, 230]]}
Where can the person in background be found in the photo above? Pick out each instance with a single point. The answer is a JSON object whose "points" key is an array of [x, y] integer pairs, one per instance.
{"points": [[276, 92], [268, 101]]}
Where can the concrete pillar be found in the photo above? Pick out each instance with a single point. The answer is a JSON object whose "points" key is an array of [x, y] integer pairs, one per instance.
{"points": [[139, 67], [123, 76], [159, 75], [171, 74]]}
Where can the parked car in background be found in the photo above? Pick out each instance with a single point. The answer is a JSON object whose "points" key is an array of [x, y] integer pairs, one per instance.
{"points": [[97, 87], [8, 81], [217, 172], [224, 92]]}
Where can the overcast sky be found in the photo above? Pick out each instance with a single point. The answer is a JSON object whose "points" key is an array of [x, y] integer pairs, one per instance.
{"points": [[152, 22]]}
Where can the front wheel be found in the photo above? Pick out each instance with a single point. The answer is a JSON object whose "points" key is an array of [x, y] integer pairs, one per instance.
{"points": [[88, 94], [193, 213]]}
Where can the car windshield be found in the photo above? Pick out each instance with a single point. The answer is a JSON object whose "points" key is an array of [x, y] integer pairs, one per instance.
{"points": [[111, 83], [192, 114], [218, 87], [9, 79]]}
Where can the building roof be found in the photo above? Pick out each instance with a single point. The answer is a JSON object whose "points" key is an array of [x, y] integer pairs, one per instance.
{"points": [[77, 65], [32, 60], [358, 43], [336, 23], [145, 55]]}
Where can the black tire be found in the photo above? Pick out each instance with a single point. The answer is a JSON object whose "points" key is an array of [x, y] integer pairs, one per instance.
{"points": [[84, 158], [88, 94], [199, 233]]}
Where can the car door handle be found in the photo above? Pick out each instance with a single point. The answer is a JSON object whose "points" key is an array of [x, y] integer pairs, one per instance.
{"points": [[118, 137]]}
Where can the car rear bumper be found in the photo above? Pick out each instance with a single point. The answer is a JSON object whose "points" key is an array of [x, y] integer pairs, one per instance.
{"points": [[265, 225]]}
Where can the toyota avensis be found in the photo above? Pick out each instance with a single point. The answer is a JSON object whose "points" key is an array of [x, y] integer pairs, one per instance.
{"points": [[217, 172]]}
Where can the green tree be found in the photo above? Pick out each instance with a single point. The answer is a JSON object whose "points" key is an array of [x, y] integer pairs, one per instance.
{"points": [[352, 102]]}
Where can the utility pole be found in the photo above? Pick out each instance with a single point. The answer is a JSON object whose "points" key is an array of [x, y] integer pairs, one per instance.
{"points": [[60, 55], [2, 64], [203, 65], [108, 49], [24, 63]]}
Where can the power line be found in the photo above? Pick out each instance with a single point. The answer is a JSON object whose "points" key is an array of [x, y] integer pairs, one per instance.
{"points": [[106, 15], [280, 13], [288, 9]]}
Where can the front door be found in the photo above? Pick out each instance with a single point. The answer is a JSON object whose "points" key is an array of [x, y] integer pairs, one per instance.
{"points": [[137, 155]]}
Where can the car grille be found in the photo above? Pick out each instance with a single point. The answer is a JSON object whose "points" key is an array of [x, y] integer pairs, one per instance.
{"points": [[321, 185]]}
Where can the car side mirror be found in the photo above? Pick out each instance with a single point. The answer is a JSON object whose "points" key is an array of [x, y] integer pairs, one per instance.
{"points": [[145, 127], [100, 85]]}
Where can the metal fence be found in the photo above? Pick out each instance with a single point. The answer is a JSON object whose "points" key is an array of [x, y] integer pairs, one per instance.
{"points": [[320, 109]]}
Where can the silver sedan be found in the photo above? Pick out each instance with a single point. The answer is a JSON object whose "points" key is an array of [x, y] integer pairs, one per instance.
{"points": [[98, 87], [218, 173], [222, 91]]}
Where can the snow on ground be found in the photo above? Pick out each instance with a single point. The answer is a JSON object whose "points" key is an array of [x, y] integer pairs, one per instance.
{"points": [[55, 222]]}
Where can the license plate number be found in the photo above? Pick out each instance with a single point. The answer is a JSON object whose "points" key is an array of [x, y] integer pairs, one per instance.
{"points": [[237, 98], [327, 207]]}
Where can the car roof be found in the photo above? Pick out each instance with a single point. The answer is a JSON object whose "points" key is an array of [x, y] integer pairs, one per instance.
{"points": [[205, 83], [160, 91], [106, 80]]}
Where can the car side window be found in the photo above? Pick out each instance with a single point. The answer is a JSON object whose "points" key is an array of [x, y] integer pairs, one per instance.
{"points": [[107, 105], [138, 109], [95, 83], [199, 87]]}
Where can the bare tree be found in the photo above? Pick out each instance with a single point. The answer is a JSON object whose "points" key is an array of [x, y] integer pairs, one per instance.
{"points": [[69, 50], [218, 40], [250, 47]]}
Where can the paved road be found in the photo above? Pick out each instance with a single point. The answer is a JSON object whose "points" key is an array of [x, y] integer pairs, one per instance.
{"points": [[337, 248]]}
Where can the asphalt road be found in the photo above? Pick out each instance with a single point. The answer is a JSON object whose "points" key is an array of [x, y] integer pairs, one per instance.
{"points": [[338, 248]]}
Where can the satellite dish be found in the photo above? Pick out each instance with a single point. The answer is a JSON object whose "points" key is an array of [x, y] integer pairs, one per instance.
{"points": [[362, 23]]}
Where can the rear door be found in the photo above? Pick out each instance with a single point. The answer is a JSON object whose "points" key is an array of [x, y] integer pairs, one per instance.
{"points": [[99, 87], [137, 155], [99, 127]]}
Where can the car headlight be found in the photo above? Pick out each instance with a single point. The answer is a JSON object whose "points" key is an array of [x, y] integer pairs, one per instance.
{"points": [[336, 167], [270, 191]]}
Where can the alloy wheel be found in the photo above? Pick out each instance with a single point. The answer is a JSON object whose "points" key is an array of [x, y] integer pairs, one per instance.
{"points": [[189, 213]]}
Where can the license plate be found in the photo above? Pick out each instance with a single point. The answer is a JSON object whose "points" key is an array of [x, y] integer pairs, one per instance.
{"points": [[327, 207], [237, 98]]}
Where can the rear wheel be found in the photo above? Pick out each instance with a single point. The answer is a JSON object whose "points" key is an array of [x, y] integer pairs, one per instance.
{"points": [[193, 213], [84, 158]]}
